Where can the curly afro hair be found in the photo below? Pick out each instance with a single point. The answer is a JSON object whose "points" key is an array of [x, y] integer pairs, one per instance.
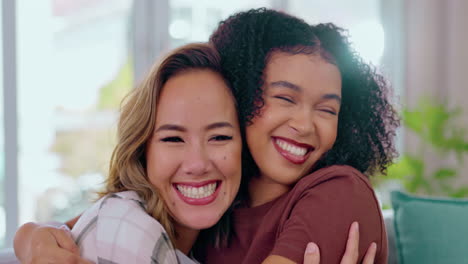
{"points": [[367, 121]]}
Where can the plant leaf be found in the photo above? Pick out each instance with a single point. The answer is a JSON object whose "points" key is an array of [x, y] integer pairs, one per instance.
{"points": [[460, 192], [444, 173]]}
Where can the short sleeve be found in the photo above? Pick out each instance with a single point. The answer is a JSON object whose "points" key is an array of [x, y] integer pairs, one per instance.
{"points": [[323, 214], [127, 234]]}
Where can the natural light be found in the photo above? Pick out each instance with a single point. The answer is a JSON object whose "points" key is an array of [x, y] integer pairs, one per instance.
{"points": [[368, 39]]}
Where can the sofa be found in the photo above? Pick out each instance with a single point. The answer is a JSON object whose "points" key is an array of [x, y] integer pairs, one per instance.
{"points": [[428, 230]]}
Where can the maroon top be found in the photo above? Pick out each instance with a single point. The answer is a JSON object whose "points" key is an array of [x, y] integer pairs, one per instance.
{"points": [[320, 208]]}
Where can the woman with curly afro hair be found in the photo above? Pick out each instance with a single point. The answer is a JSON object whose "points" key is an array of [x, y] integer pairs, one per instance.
{"points": [[318, 122]]}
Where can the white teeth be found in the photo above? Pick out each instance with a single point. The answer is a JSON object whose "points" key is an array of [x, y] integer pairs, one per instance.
{"points": [[197, 192], [295, 150]]}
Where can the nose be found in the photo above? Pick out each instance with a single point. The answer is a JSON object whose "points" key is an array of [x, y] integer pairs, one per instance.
{"points": [[196, 161], [302, 122]]}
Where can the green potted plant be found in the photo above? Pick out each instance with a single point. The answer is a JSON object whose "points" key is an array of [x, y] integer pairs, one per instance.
{"points": [[440, 134]]}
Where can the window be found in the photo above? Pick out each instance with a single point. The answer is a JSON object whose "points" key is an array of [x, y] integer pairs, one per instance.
{"points": [[361, 18], [190, 22], [2, 153], [74, 67]]}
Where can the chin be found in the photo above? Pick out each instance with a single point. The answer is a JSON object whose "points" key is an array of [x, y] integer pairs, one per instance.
{"points": [[286, 177], [199, 222]]}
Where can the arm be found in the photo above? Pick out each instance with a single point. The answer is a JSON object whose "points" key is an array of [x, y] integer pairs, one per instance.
{"points": [[71, 223], [322, 213], [40, 243]]}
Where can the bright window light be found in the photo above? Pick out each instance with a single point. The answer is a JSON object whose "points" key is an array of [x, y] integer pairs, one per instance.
{"points": [[179, 29], [368, 39]]}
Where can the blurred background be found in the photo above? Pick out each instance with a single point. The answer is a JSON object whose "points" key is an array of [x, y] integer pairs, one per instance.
{"points": [[66, 64]]}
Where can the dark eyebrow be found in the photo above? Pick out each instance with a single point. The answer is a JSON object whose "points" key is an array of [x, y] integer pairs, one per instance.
{"points": [[171, 127], [286, 84], [219, 125], [297, 88], [332, 96]]}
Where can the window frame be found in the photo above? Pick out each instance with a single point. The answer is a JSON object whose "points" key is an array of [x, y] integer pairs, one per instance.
{"points": [[10, 120]]}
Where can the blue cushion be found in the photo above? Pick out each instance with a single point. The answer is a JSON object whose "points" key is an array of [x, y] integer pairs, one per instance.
{"points": [[430, 230]]}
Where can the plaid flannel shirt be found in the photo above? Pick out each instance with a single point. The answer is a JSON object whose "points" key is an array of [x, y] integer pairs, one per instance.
{"points": [[117, 229]]}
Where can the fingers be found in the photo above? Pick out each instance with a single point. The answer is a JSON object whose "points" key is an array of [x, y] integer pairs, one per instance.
{"points": [[53, 245], [65, 240], [352, 245], [312, 254], [370, 254]]}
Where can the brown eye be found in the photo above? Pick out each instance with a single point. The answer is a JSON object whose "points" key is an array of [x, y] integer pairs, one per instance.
{"points": [[221, 138], [172, 139]]}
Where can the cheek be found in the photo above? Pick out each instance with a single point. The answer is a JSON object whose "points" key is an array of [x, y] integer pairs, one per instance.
{"points": [[228, 161], [259, 126], [271, 116], [329, 133], [251, 134], [160, 166]]}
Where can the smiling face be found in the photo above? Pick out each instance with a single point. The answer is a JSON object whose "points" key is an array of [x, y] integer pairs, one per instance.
{"points": [[194, 156], [299, 120]]}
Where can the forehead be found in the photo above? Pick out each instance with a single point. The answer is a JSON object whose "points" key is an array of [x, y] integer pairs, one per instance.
{"points": [[303, 70], [196, 94]]}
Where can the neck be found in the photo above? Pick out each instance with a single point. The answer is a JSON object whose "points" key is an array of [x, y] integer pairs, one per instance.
{"points": [[263, 190], [185, 238]]}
